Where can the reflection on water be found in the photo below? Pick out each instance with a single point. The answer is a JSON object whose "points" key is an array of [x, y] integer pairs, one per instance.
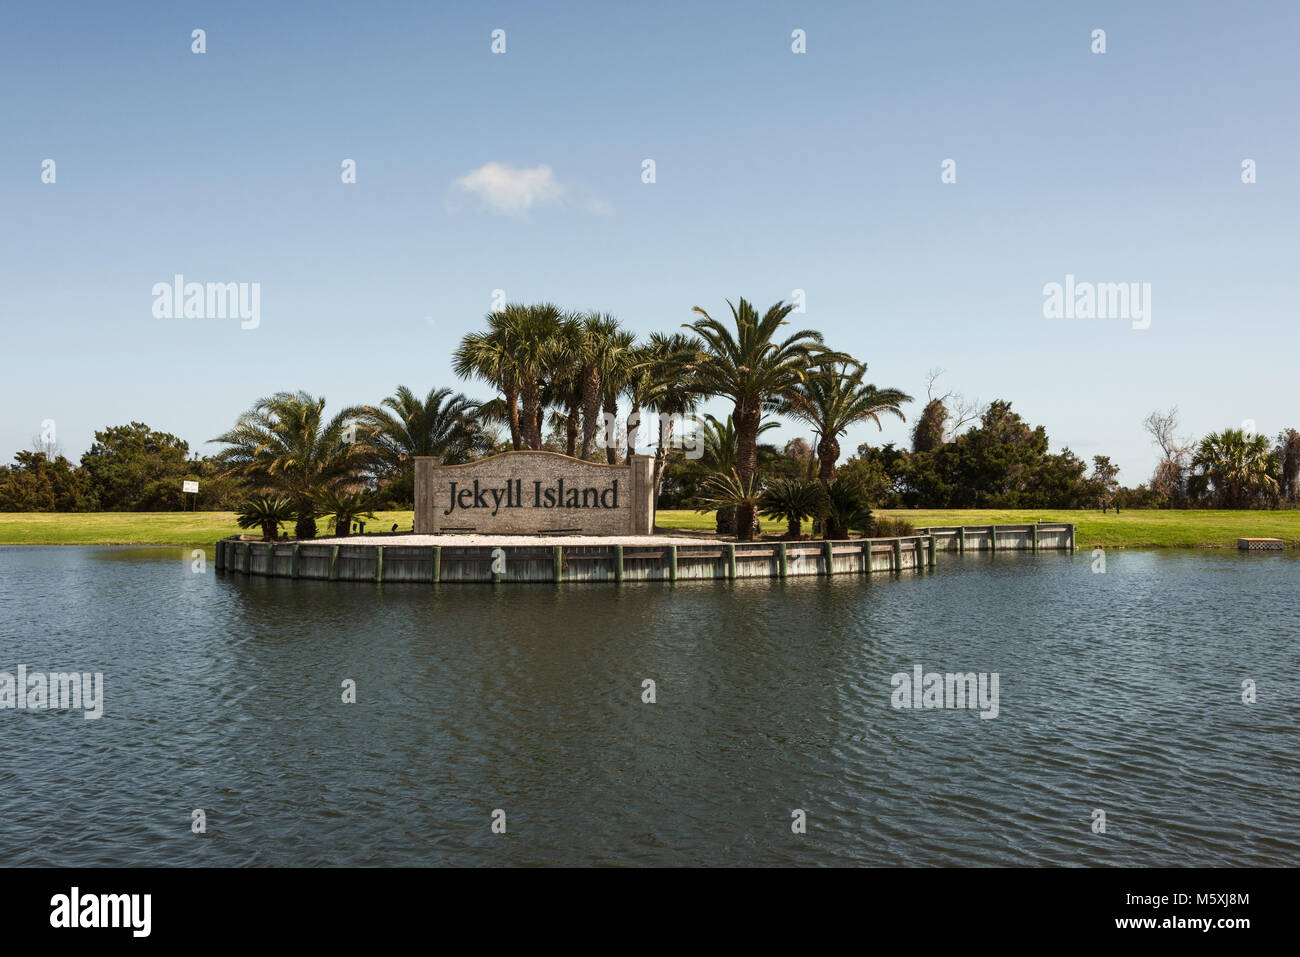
{"points": [[1119, 692]]}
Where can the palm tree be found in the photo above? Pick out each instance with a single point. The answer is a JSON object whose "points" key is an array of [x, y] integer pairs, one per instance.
{"points": [[267, 512], [667, 387], [490, 356], [754, 370], [285, 444], [847, 508], [343, 506], [791, 501], [1239, 467], [613, 357], [597, 353], [727, 490], [718, 440], [834, 399], [443, 424], [569, 378], [536, 347]]}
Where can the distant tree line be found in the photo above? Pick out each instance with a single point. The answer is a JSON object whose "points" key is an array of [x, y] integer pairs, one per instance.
{"points": [[127, 468], [1003, 462], [561, 382]]}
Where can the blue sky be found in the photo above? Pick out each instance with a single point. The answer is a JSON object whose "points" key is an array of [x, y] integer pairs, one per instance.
{"points": [[775, 171]]}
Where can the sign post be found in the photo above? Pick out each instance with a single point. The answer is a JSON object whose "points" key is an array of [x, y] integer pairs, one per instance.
{"points": [[191, 488]]}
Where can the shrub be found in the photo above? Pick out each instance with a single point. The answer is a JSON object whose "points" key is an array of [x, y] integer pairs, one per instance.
{"points": [[883, 527], [847, 509], [267, 512], [792, 501]]}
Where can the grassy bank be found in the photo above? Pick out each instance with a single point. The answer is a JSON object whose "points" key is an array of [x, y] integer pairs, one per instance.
{"points": [[140, 528], [1153, 529], [1194, 528]]}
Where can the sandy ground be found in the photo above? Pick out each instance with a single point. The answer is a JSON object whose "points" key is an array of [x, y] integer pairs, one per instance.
{"points": [[461, 540]]}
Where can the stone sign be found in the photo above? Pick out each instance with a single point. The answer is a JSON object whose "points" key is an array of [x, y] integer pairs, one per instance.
{"points": [[523, 493]]}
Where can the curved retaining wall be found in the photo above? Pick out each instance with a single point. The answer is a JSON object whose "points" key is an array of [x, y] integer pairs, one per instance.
{"points": [[620, 562]]}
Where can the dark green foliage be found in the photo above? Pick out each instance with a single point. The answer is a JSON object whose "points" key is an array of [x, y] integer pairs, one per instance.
{"points": [[134, 468], [792, 501], [847, 509], [267, 512], [344, 506], [1001, 463], [927, 433], [733, 496], [1234, 469], [37, 484]]}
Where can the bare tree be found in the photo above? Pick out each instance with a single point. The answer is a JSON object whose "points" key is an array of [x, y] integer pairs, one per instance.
{"points": [[45, 444], [960, 410], [1170, 475]]}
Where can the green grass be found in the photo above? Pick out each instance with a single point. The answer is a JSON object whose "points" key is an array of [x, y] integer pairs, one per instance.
{"points": [[1139, 529], [1194, 528], [686, 520], [142, 528]]}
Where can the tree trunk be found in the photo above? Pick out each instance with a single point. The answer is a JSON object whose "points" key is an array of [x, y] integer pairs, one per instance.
{"points": [[828, 453], [725, 520], [571, 428], [747, 419], [633, 424], [531, 406], [611, 438], [512, 416], [745, 522], [794, 529], [590, 407], [269, 531], [661, 451]]}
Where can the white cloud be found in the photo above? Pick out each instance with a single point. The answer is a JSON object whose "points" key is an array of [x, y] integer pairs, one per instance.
{"points": [[511, 191]]}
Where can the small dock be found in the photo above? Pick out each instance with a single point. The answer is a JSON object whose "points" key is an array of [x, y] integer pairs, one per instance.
{"points": [[1259, 544]]}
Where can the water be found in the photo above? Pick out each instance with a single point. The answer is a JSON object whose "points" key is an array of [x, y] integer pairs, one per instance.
{"points": [[1118, 691]]}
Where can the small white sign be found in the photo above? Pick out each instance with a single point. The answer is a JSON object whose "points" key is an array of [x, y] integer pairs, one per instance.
{"points": [[189, 487]]}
